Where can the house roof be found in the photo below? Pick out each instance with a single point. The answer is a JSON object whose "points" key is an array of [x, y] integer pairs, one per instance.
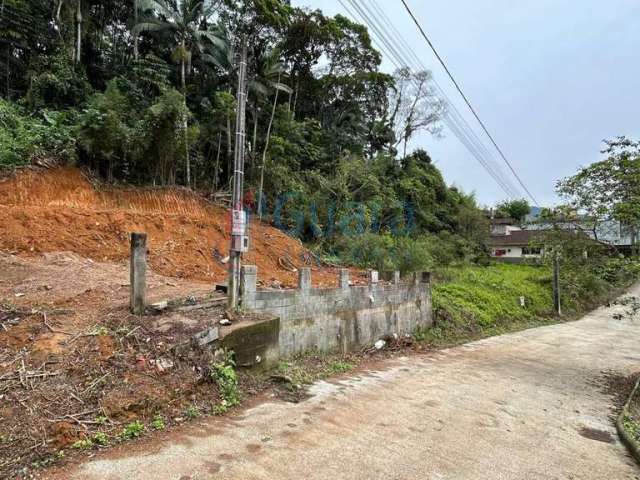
{"points": [[503, 221], [515, 238]]}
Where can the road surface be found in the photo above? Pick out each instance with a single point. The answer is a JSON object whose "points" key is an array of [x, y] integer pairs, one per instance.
{"points": [[523, 406]]}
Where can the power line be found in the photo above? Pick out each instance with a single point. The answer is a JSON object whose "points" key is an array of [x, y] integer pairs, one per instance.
{"points": [[452, 119], [464, 134], [462, 124], [424, 35]]}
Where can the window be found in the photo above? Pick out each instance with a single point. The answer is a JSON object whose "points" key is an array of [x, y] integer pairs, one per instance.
{"points": [[531, 250]]}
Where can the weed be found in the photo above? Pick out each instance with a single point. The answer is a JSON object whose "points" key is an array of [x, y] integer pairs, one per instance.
{"points": [[340, 366], [158, 423], [192, 412], [100, 438], [224, 374], [101, 419], [132, 430], [101, 331], [83, 444]]}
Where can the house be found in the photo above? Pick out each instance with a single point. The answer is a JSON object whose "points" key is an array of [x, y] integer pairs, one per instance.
{"points": [[515, 245]]}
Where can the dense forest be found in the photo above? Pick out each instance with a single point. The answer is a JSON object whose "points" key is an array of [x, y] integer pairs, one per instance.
{"points": [[144, 92]]}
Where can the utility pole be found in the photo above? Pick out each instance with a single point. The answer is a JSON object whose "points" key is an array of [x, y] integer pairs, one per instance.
{"points": [[239, 241], [556, 283]]}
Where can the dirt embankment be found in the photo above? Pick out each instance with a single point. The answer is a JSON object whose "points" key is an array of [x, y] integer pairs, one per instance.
{"points": [[61, 210]]}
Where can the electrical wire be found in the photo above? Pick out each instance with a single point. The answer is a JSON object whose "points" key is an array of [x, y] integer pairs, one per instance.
{"points": [[466, 100]]}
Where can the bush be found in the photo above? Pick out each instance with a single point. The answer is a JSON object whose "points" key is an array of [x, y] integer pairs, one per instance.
{"points": [[24, 138]]}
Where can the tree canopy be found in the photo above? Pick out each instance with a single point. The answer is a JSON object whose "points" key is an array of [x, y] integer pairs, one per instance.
{"points": [[144, 92]]}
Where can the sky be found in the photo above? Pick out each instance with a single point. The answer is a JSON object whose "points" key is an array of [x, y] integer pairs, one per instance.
{"points": [[550, 79]]}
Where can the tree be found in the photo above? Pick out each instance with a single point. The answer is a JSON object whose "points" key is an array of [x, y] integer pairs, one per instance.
{"points": [[415, 106], [516, 209], [185, 20], [610, 188]]}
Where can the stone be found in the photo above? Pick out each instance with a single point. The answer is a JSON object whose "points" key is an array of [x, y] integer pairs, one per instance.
{"points": [[379, 344], [225, 322], [159, 306], [206, 337]]}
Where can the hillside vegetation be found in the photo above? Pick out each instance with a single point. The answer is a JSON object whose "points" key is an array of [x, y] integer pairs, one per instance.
{"points": [[145, 93], [473, 301]]}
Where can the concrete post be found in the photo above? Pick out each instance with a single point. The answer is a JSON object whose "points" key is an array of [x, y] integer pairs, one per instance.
{"points": [[304, 279], [344, 278], [557, 305], [373, 277], [248, 283], [138, 272], [396, 277]]}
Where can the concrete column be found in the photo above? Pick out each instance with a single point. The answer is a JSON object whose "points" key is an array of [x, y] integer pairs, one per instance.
{"points": [[304, 279], [248, 282], [396, 277], [138, 272], [344, 278], [373, 277]]}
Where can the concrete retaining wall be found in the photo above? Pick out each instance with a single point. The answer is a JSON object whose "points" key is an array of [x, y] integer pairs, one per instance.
{"points": [[344, 318]]}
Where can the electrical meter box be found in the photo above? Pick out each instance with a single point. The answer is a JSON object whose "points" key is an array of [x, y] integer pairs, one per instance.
{"points": [[240, 243]]}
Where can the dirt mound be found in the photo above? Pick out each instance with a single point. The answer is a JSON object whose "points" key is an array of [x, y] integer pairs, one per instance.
{"points": [[62, 210]]}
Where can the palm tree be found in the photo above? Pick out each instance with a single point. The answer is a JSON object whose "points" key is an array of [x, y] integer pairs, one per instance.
{"points": [[184, 20], [269, 70]]}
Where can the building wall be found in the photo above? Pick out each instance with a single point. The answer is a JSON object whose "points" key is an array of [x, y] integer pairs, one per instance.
{"points": [[339, 319], [514, 252]]}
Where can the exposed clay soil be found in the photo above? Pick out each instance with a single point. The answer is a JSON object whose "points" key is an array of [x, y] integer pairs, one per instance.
{"points": [[70, 352], [63, 210]]}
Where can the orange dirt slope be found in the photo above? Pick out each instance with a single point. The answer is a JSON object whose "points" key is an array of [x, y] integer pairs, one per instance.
{"points": [[62, 210]]}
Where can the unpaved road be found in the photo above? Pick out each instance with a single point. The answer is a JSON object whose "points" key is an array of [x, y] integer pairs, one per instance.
{"points": [[517, 406]]}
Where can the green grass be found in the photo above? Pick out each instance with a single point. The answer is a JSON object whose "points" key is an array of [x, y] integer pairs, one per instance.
{"points": [[486, 295], [472, 301]]}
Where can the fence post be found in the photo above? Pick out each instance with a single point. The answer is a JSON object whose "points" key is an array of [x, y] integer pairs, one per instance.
{"points": [[556, 284], [138, 272]]}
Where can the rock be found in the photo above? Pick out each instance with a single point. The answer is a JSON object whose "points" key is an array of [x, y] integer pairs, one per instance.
{"points": [[159, 306], [225, 322], [379, 344], [163, 364], [206, 337]]}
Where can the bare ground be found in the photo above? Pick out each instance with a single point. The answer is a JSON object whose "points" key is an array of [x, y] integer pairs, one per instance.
{"points": [[536, 404]]}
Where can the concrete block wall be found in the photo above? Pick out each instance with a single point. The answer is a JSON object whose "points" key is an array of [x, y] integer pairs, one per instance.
{"points": [[344, 318]]}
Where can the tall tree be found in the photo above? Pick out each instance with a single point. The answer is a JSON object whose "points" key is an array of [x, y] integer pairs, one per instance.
{"points": [[609, 189], [185, 19]]}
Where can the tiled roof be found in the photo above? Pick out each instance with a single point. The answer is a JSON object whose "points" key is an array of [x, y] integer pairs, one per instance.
{"points": [[515, 238]]}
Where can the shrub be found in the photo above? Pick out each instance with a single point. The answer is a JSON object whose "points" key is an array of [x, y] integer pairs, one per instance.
{"points": [[24, 138]]}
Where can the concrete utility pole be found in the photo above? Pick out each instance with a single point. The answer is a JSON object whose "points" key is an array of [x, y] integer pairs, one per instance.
{"points": [[556, 283], [238, 218]]}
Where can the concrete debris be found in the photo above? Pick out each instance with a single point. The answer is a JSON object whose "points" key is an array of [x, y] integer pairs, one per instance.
{"points": [[163, 364], [380, 344], [206, 337], [159, 306]]}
